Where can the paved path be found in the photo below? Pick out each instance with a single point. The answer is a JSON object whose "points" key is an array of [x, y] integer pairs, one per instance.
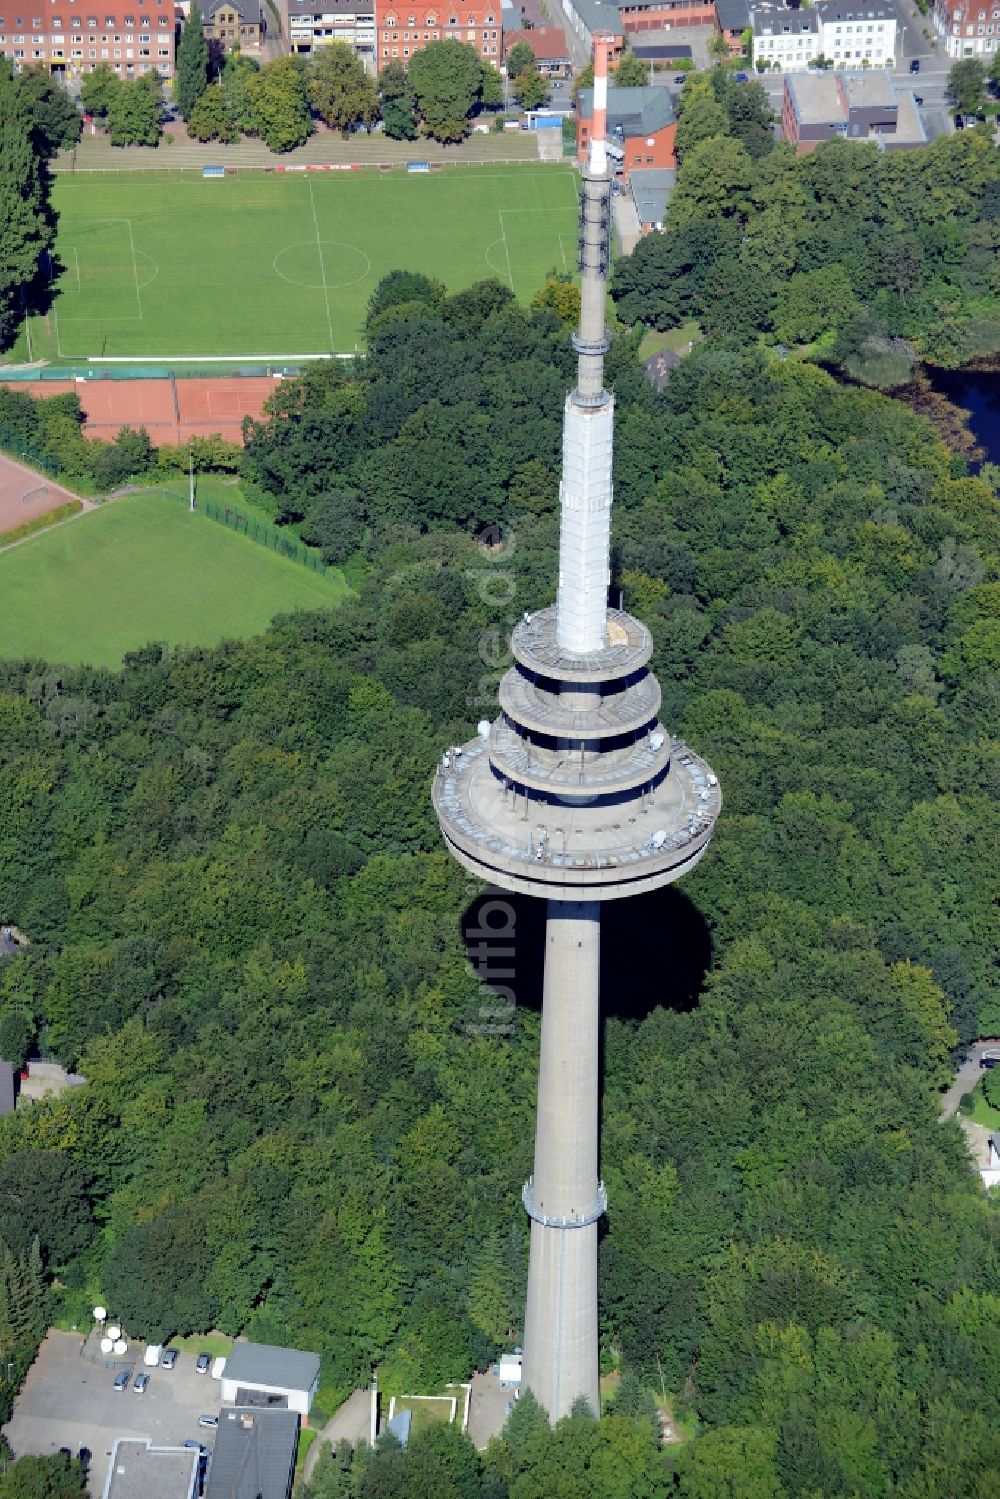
{"points": [[965, 1078], [351, 1420]]}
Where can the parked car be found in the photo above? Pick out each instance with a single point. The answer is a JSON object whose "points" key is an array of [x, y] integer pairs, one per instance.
{"points": [[203, 1363], [915, 65], [743, 78], [959, 123], [84, 1455], [990, 1058], [680, 78], [141, 1381], [208, 1421], [169, 1358], [122, 1379]]}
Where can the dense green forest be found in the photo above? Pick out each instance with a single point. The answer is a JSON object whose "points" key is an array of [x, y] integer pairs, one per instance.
{"points": [[247, 935], [875, 254]]}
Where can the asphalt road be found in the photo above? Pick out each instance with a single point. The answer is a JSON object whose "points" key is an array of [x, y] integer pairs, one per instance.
{"points": [[67, 1401]]}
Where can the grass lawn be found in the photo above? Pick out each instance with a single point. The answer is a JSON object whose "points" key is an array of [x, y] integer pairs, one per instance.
{"points": [[144, 568], [982, 1112], [279, 264], [673, 339], [427, 1410], [216, 1344]]}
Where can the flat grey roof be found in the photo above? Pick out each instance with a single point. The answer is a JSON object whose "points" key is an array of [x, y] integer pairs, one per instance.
{"points": [[815, 98], [651, 189], [254, 1454], [866, 89], [909, 123], [138, 1470], [279, 1368]]}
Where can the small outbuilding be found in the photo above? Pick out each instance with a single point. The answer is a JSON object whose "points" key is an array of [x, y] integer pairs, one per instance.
{"points": [[510, 1368], [262, 1377]]}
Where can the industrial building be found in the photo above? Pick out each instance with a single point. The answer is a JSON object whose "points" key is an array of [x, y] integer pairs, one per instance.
{"points": [[641, 126], [140, 1470], [254, 1454], [260, 1376]]}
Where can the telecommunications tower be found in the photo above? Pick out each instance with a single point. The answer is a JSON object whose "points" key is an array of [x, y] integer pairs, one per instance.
{"points": [[577, 795]]}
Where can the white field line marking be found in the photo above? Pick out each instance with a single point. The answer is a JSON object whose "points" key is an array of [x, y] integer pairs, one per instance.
{"points": [[135, 269], [506, 249], [322, 269]]}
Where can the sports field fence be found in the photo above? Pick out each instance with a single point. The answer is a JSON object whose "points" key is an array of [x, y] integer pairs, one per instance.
{"points": [[15, 445], [262, 532]]}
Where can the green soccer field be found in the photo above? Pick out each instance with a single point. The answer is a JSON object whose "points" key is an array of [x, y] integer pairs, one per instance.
{"points": [[145, 568], [281, 264]]}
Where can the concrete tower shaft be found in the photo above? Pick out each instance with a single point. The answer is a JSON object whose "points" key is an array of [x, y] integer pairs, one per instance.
{"points": [[576, 794]]}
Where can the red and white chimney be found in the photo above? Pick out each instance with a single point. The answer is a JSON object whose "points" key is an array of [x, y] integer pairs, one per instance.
{"points": [[598, 156]]}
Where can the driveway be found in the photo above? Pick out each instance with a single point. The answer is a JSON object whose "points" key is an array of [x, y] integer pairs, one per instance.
{"points": [[966, 1078], [350, 1421], [67, 1401]]}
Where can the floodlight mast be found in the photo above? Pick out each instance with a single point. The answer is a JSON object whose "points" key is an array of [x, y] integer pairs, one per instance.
{"points": [[576, 794]]}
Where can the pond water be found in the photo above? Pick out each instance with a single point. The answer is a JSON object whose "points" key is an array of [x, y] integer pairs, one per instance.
{"points": [[978, 392]]}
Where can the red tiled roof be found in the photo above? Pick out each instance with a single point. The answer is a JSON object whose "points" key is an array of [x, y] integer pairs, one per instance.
{"points": [[547, 42]]}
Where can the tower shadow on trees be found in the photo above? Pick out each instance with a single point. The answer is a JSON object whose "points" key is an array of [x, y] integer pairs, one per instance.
{"points": [[655, 950]]}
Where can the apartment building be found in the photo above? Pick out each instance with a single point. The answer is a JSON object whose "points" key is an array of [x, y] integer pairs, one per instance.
{"points": [[846, 35], [969, 28], [70, 37], [312, 24], [406, 28]]}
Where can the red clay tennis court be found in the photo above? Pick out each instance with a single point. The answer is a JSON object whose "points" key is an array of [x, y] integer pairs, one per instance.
{"points": [[170, 410], [25, 494]]}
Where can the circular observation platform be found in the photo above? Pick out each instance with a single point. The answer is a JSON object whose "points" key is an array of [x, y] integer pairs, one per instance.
{"points": [[570, 773], [509, 836], [628, 647], [539, 709]]}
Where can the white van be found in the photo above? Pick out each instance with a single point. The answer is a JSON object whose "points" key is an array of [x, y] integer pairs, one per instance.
{"points": [[152, 1355]]}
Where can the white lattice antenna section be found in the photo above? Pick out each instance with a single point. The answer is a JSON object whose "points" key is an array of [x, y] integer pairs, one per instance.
{"points": [[585, 527]]}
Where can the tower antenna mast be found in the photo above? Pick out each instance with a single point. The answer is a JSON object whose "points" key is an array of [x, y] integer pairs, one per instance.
{"points": [[616, 809]]}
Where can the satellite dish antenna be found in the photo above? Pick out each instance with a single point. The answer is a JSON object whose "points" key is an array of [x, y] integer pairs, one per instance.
{"points": [[106, 1345], [483, 728], [121, 1345], [656, 741], [100, 1314], [114, 1332], [658, 839]]}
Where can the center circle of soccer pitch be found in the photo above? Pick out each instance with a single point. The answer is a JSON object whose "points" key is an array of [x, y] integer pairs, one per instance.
{"points": [[331, 263]]}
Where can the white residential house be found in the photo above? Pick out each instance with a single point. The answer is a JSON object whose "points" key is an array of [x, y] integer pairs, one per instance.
{"points": [[849, 35], [969, 28], [787, 39]]}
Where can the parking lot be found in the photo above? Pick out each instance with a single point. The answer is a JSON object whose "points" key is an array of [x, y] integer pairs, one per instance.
{"points": [[67, 1401]]}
